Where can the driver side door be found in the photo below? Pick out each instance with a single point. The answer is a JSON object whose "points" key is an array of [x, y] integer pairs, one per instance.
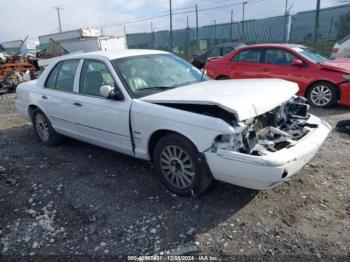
{"points": [[100, 121]]}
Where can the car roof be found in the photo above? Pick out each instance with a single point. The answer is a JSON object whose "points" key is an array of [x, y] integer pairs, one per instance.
{"points": [[111, 55], [233, 44], [274, 45]]}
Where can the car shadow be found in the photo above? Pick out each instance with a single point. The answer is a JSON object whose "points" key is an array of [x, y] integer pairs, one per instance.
{"points": [[100, 195]]}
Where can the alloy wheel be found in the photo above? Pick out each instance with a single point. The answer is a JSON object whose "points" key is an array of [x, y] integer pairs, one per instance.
{"points": [[321, 95], [42, 127], [176, 166]]}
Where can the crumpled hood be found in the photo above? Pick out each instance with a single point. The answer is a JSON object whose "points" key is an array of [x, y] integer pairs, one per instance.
{"points": [[245, 98], [340, 64]]}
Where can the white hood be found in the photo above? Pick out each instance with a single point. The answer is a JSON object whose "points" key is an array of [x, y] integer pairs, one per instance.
{"points": [[245, 98]]}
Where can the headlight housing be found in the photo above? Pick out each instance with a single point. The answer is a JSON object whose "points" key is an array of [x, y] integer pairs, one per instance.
{"points": [[346, 77]]}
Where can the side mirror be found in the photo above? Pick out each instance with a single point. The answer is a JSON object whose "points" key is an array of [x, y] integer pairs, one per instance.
{"points": [[297, 62], [109, 92]]}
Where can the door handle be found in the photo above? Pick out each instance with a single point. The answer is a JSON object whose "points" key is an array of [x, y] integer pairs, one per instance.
{"points": [[44, 97], [78, 104], [265, 69]]}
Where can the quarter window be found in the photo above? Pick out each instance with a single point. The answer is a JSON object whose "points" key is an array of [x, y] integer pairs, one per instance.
{"points": [[94, 74], [278, 57], [62, 76], [249, 56]]}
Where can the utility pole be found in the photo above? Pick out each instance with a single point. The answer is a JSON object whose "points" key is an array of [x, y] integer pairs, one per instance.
{"points": [[152, 35], [214, 31], [286, 8], [317, 20], [243, 33], [231, 32], [126, 39], [197, 29], [59, 16], [171, 26], [286, 22]]}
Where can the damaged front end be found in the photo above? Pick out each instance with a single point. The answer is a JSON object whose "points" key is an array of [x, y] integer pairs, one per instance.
{"points": [[280, 128]]}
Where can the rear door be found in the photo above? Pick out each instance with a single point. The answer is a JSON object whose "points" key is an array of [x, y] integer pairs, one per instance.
{"points": [[277, 63], [57, 96], [247, 64], [104, 122]]}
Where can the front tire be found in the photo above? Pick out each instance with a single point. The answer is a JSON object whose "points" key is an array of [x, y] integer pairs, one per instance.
{"points": [[322, 95], [180, 166], [44, 130]]}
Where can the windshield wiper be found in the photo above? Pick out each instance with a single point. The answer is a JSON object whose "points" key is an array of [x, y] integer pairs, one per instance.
{"points": [[156, 87]]}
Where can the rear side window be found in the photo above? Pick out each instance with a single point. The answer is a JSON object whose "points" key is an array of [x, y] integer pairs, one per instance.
{"points": [[249, 56], [226, 50], [94, 74], [62, 76], [51, 81]]}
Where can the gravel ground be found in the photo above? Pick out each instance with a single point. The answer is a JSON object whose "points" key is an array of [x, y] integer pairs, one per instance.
{"points": [[78, 199]]}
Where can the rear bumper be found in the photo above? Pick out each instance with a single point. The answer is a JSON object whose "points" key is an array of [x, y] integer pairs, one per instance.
{"points": [[263, 172]]}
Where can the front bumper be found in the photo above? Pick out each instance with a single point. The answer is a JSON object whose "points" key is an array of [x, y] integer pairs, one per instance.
{"points": [[344, 93], [263, 172]]}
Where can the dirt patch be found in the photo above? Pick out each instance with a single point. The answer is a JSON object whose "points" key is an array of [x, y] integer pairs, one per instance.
{"points": [[80, 199]]}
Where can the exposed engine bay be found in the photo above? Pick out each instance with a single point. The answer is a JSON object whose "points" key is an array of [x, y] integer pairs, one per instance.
{"points": [[270, 132]]}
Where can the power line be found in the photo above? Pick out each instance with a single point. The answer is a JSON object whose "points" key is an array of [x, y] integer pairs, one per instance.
{"points": [[167, 13]]}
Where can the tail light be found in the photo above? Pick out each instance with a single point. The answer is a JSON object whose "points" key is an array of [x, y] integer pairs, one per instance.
{"points": [[335, 50]]}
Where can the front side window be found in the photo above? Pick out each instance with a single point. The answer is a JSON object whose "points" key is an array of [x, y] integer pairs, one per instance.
{"points": [[149, 74], [62, 76], [226, 50], [248, 56], [214, 52], [278, 57], [94, 74]]}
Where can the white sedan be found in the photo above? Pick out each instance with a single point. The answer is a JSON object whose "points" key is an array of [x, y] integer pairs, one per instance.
{"points": [[153, 105]]}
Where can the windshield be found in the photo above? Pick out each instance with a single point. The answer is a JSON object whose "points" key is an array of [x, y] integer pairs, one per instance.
{"points": [[149, 74], [312, 54]]}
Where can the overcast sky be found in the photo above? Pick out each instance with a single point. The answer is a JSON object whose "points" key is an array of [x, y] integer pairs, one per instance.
{"points": [[20, 18]]}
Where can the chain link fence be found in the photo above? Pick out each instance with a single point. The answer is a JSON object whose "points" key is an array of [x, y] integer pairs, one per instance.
{"points": [[298, 28]]}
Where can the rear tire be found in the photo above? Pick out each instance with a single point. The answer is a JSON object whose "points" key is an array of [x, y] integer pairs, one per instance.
{"points": [[223, 78], [44, 130], [323, 95], [180, 166]]}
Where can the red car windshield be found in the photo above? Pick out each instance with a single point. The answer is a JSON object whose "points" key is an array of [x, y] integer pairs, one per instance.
{"points": [[312, 54]]}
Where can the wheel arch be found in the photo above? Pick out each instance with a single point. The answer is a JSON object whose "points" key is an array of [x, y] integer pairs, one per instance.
{"points": [[159, 134], [307, 90], [31, 109], [221, 77]]}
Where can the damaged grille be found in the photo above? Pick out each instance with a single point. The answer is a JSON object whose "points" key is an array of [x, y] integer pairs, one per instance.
{"points": [[280, 128]]}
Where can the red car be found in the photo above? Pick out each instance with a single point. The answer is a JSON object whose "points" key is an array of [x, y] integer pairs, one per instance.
{"points": [[323, 81]]}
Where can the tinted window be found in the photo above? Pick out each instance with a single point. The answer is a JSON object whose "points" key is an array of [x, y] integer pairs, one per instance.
{"points": [[250, 56], [278, 57], [226, 50], [65, 78], [51, 81], [214, 52], [94, 74]]}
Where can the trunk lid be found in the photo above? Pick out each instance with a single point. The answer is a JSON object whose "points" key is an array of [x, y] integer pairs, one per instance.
{"points": [[245, 98]]}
